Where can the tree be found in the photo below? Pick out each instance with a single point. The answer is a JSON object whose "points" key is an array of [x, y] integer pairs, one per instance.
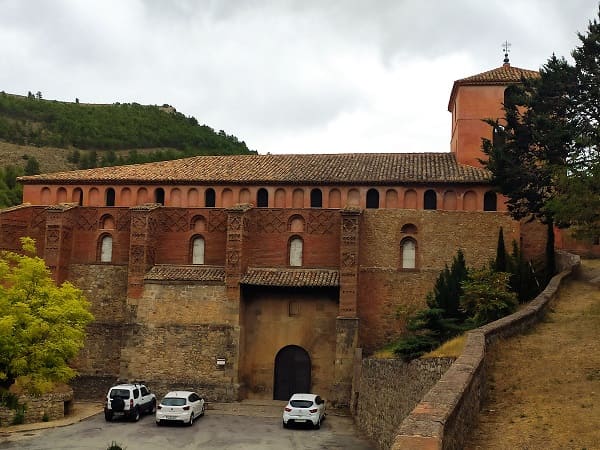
{"points": [[442, 319], [546, 159], [533, 141], [500, 264], [487, 296], [578, 201], [32, 167], [42, 326]]}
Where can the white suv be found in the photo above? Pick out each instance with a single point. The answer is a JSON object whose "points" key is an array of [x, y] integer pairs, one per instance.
{"points": [[129, 400]]}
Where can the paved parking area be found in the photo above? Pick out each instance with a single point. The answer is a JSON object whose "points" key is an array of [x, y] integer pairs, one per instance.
{"points": [[213, 431]]}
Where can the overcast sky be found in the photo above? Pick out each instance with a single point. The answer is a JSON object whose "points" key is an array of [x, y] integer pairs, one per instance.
{"points": [[285, 76]]}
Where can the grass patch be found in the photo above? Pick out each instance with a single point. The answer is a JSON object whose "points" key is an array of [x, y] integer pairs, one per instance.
{"points": [[452, 348]]}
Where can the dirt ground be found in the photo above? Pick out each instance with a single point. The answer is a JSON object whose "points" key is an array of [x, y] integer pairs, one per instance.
{"points": [[544, 386]]}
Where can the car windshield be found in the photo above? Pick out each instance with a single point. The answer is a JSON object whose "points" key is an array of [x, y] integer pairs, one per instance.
{"points": [[173, 401], [301, 403], [119, 393]]}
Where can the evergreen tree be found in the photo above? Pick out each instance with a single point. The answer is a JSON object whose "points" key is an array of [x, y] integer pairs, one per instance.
{"points": [[500, 264], [578, 201], [32, 167], [443, 319]]}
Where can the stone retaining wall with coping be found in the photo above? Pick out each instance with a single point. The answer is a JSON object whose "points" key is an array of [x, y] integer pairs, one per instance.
{"points": [[451, 408]]}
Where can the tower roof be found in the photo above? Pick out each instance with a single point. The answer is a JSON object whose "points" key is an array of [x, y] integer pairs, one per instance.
{"points": [[505, 74]]}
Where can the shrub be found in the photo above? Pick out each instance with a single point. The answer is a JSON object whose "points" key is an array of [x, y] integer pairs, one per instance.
{"points": [[487, 296]]}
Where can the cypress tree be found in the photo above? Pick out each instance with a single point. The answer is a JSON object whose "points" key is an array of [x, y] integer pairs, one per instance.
{"points": [[500, 265]]}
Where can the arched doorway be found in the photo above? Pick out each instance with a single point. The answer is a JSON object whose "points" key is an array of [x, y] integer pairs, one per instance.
{"points": [[292, 372]]}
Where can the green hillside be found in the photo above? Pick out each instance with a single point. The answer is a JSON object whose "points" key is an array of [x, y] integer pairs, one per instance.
{"points": [[38, 135]]}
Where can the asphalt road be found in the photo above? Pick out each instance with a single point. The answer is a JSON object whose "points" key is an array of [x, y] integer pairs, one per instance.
{"points": [[213, 431]]}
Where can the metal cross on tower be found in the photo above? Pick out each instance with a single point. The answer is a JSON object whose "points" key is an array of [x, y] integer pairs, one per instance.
{"points": [[506, 48]]}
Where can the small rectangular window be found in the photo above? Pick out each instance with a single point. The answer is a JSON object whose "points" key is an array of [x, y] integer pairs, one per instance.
{"points": [[294, 309]]}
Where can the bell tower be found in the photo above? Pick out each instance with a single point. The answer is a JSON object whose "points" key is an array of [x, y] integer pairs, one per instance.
{"points": [[476, 98]]}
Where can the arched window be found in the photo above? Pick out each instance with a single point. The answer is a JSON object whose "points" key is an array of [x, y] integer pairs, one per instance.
{"points": [[209, 198], [316, 198], [409, 253], [107, 222], [110, 197], [430, 199], [198, 250], [106, 244], [408, 228], [262, 198], [78, 196], [296, 224], [296, 251], [61, 195], [159, 196], [373, 198], [490, 201], [280, 198]]}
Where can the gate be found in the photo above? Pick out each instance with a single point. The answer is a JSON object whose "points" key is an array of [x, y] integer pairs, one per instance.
{"points": [[292, 372]]}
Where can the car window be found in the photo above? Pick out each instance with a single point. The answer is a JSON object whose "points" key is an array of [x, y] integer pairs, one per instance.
{"points": [[173, 401], [145, 391], [194, 398], [136, 393], [301, 403], [318, 400], [119, 393]]}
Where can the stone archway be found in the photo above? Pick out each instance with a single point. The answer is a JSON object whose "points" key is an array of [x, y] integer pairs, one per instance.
{"points": [[292, 372]]}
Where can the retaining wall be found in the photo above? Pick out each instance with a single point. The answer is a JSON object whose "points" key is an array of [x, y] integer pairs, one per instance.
{"points": [[451, 408], [389, 389], [46, 407]]}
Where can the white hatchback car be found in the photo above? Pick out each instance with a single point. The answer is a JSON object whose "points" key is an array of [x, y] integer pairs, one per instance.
{"points": [[180, 406], [304, 408]]}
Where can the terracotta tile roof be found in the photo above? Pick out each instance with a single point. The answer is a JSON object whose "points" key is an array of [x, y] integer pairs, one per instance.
{"points": [[291, 277], [505, 74], [346, 168], [195, 273]]}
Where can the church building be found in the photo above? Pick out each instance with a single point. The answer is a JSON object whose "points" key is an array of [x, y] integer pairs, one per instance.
{"points": [[258, 276]]}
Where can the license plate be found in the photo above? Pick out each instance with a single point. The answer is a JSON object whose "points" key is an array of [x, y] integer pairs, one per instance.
{"points": [[171, 418]]}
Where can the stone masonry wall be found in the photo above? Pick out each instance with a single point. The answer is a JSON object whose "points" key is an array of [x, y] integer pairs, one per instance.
{"points": [[387, 293], [180, 330], [388, 390], [450, 409], [105, 287], [46, 407]]}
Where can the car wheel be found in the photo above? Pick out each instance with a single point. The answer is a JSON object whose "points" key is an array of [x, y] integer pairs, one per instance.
{"points": [[108, 416], [285, 425], [158, 424], [318, 424], [202, 411], [136, 414], [191, 422]]}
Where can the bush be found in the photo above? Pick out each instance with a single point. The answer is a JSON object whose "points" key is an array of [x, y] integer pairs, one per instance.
{"points": [[487, 296], [114, 446]]}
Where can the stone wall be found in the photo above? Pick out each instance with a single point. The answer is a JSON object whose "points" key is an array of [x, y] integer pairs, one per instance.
{"points": [[387, 293], [105, 287], [388, 390], [178, 333], [42, 408], [451, 408]]}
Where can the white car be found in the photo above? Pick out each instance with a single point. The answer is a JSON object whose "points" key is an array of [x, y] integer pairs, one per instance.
{"points": [[304, 408], [180, 406]]}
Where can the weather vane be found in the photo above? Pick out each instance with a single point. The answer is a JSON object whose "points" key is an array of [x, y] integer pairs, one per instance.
{"points": [[506, 48]]}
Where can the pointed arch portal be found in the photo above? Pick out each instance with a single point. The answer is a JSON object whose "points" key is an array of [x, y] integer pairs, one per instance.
{"points": [[292, 372]]}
